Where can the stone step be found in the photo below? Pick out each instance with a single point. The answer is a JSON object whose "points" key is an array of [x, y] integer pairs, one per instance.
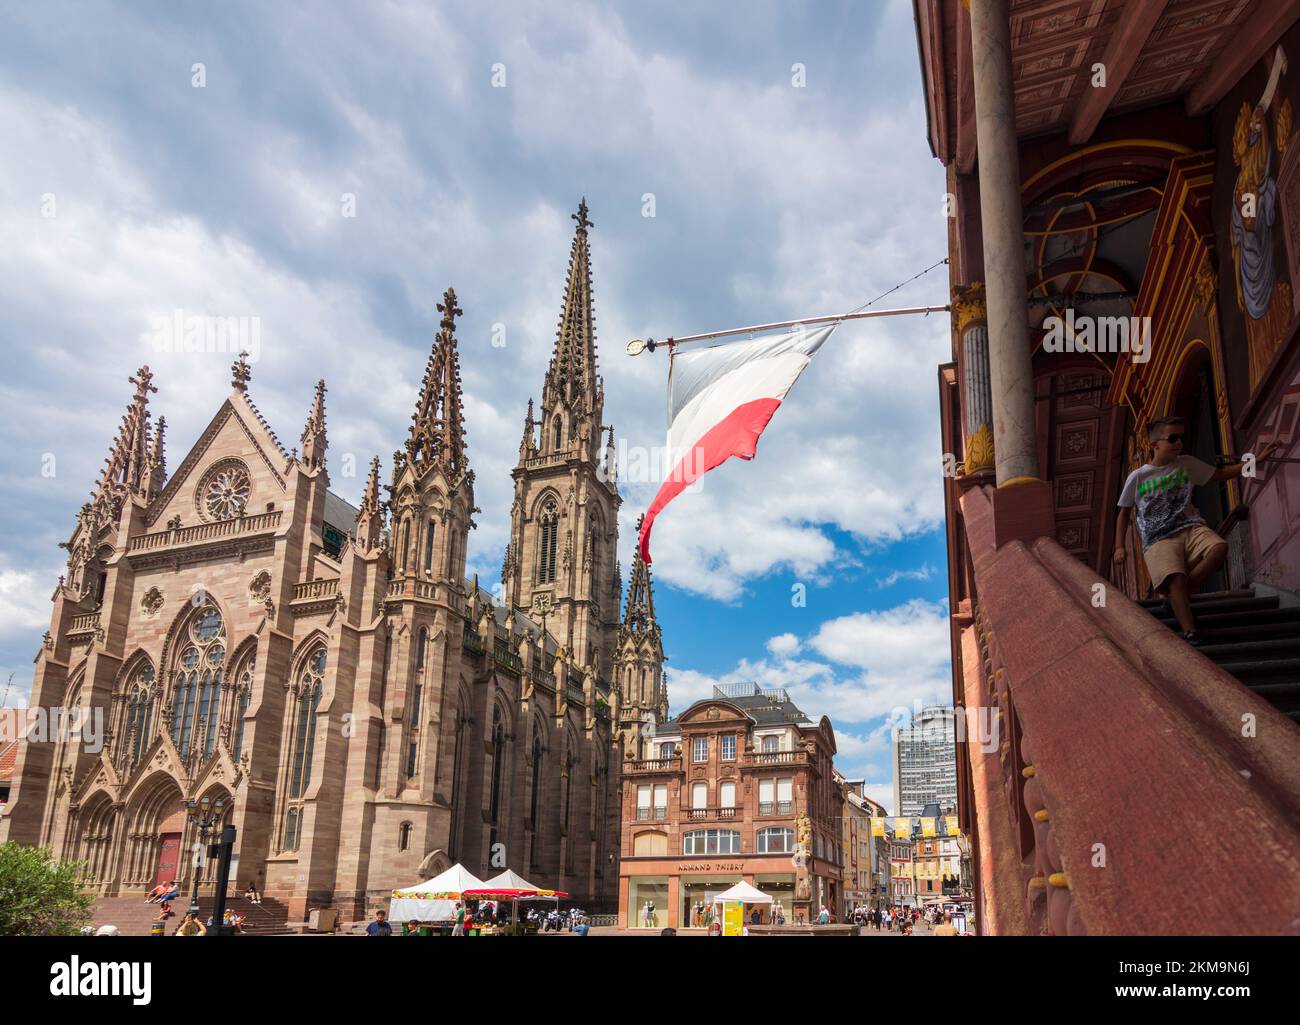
{"points": [[1253, 649], [1246, 630], [133, 917], [1204, 596], [1233, 605], [1254, 671]]}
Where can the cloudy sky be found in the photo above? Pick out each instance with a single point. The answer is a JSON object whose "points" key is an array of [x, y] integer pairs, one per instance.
{"points": [[780, 148]]}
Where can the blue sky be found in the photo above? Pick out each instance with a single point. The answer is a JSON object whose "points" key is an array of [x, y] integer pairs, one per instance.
{"points": [[772, 199]]}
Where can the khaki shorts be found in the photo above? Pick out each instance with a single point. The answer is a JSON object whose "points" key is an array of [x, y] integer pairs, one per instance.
{"points": [[1180, 553]]}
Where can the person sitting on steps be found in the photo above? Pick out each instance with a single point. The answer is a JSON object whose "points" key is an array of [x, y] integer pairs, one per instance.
{"points": [[1179, 550]]}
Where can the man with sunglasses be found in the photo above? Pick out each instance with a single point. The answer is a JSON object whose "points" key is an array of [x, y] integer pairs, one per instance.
{"points": [[1180, 551]]}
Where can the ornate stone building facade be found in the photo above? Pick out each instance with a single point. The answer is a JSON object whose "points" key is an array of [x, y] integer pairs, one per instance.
{"points": [[366, 714]]}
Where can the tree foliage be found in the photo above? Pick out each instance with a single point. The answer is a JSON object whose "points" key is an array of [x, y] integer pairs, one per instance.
{"points": [[40, 896]]}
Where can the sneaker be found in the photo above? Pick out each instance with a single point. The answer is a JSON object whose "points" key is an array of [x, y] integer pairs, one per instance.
{"points": [[1193, 638]]}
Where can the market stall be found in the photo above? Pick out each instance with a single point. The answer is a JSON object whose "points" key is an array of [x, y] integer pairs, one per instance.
{"points": [[434, 900], [514, 888]]}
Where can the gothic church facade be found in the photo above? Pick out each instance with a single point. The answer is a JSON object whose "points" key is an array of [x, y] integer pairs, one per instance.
{"points": [[364, 714]]}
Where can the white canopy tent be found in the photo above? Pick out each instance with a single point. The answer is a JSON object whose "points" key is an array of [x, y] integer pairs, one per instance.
{"points": [[745, 894], [433, 900], [511, 880]]}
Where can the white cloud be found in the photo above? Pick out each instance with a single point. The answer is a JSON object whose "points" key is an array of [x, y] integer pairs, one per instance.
{"points": [[783, 645], [896, 659], [920, 573], [882, 794], [24, 602]]}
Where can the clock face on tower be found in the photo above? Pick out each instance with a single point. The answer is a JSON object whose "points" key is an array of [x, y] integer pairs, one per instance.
{"points": [[223, 492]]}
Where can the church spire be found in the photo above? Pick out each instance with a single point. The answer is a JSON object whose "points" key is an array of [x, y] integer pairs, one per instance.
{"points": [[571, 377], [126, 465], [437, 425], [313, 434], [526, 443], [639, 620], [156, 471], [370, 517]]}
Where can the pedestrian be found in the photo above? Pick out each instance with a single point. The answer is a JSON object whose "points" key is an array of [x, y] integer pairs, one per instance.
{"points": [[648, 913], [946, 928], [1180, 551], [191, 926], [824, 916], [459, 928], [380, 926], [582, 927]]}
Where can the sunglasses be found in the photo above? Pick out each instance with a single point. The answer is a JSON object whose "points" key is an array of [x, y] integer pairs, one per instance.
{"points": [[1173, 439]]}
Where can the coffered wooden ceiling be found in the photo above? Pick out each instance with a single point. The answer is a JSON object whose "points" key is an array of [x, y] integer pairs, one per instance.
{"points": [[1154, 51]]}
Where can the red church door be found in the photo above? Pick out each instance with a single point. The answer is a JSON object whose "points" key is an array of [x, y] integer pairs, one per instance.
{"points": [[168, 859]]}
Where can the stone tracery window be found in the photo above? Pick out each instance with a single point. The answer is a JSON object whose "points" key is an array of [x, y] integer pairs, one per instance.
{"points": [[137, 722], [243, 694], [498, 765], [198, 684], [223, 492], [548, 543], [301, 720]]}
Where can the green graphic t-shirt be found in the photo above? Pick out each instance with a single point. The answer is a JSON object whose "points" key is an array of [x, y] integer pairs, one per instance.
{"points": [[1162, 496]]}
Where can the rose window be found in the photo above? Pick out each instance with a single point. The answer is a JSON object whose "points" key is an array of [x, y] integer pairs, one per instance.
{"points": [[225, 492]]}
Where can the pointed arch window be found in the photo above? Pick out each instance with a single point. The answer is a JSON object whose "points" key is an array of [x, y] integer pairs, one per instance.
{"points": [[498, 765], [402, 545], [243, 694], [428, 548], [302, 711], [198, 685], [559, 432], [567, 807], [383, 709], [548, 543], [533, 845], [138, 720]]}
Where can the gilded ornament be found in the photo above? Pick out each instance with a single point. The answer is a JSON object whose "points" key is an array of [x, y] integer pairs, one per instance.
{"points": [[979, 450]]}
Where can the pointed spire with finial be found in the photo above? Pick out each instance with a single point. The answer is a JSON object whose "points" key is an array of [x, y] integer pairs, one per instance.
{"points": [[639, 620], [571, 376], [526, 443], [370, 517], [127, 463], [240, 373], [313, 434], [611, 461], [437, 426], [156, 473]]}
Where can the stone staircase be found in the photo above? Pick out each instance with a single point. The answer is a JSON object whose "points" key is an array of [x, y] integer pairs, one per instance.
{"points": [[1250, 636], [133, 917]]}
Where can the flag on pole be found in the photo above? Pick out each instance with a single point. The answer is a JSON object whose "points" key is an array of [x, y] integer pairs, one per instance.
{"points": [[720, 399]]}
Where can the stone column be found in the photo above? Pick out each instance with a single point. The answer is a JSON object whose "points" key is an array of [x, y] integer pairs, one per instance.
{"points": [[1004, 243], [971, 322]]}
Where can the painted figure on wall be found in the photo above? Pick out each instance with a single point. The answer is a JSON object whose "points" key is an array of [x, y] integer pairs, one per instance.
{"points": [[1261, 296]]}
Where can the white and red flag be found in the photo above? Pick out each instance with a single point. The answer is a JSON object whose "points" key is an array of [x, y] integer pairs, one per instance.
{"points": [[719, 401]]}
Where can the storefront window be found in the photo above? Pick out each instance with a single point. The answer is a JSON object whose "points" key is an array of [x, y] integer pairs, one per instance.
{"points": [[697, 895], [781, 889], [651, 889]]}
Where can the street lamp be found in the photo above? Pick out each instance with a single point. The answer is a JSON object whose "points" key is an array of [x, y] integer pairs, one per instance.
{"points": [[205, 813]]}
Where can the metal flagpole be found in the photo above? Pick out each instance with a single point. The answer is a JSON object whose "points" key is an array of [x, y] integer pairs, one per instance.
{"points": [[639, 345]]}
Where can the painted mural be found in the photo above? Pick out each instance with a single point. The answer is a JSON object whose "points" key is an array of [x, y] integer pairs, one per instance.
{"points": [[1257, 216]]}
